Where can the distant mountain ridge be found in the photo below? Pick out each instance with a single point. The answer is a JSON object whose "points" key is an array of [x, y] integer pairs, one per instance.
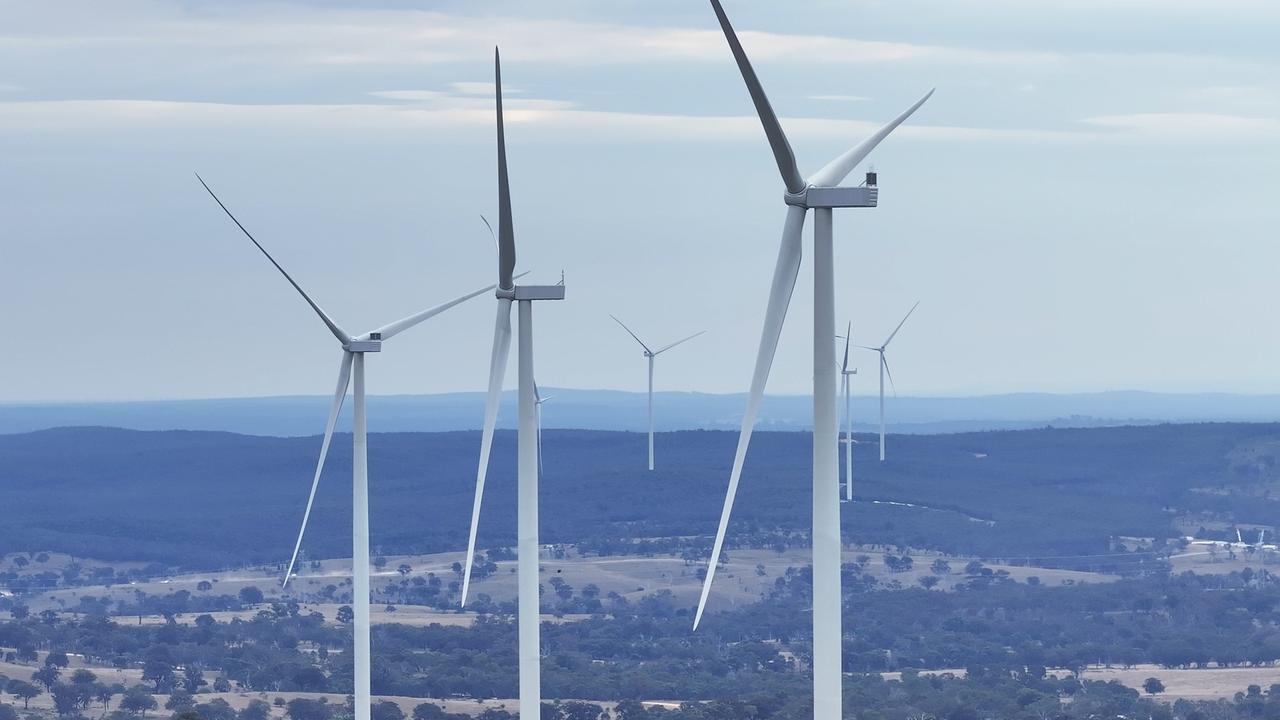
{"points": [[292, 416]]}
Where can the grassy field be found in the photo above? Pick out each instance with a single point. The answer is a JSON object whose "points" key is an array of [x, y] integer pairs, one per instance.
{"points": [[744, 579], [1191, 684]]}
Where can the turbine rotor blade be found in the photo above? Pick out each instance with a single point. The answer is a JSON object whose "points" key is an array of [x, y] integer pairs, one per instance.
{"points": [[344, 378], [784, 281], [889, 374], [834, 172], [844, 366], [904, 322], [678, 342], [506, 229], [497, 370], [624, 327], [782, 153], [389, 331], [342, 336]]}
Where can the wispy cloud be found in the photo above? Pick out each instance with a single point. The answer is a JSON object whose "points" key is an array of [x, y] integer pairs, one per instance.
{"points": [[840, 98], [443, 111], [1186, 125], [345, 36]]}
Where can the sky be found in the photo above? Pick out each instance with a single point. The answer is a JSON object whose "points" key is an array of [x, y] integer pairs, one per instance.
{"points": [[1087, 202]]}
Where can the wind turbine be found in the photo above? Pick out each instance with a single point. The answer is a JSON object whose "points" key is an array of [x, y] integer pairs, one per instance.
{"points": [[354, 349], [651, 355], [846, 379], [821, 192], [884, 370], [537, 403], [527, 435]]}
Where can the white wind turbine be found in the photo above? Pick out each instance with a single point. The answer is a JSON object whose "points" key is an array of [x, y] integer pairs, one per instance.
{"points": [[651, 355], [884, 370], [846, 379], [353, 352], [822, 193], [527, 435], [537, 403]]}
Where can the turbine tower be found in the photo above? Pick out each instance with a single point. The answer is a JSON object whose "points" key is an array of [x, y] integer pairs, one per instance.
{"points": [[884, 370], [354, 349], [821, 192], [651, 355], [527, 435], [846, 378]]}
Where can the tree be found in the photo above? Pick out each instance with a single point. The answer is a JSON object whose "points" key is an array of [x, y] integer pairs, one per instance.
{"points": [[304, 709], [428, 711], [256, 710], [47, 676], [160, 673], [311, 679], [578, 710], [137, 700], [345, 614], [404, 569], [928, 582], [204, 586], [57, 658], [66, 700], [940, 567], [179, 701], [1153, 686], [216, 709], [221, 684], [386, 710], [23, 690], [251, 595], [193, 678], [103, 694], [83, 676]]}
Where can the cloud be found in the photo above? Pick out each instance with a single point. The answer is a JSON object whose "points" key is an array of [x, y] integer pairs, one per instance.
{"points": [[840, 98], [442, 111], [1188, 125], [352, 37], [1251, 97]]}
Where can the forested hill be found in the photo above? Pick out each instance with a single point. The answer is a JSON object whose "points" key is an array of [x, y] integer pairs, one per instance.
{"points": [[204, 499], [617, 410]]}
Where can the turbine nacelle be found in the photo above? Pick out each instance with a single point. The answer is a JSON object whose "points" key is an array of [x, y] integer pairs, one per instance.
{"points": [[535, 292], [364, 344], [866, 195]]}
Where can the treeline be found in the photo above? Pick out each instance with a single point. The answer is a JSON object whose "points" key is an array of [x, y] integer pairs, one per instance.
{"points": [[1039, 493], [647, 649]]}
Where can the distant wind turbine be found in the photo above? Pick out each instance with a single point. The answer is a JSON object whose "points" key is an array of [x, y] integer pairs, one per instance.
{"points": [[354, 349], [527, 434], [846, 378], [884, 370], [822, 193], [537, 402], [651, 355]]}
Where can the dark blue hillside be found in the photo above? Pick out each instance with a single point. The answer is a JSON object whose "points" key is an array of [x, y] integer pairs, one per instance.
{"points": [[207, 499]]}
